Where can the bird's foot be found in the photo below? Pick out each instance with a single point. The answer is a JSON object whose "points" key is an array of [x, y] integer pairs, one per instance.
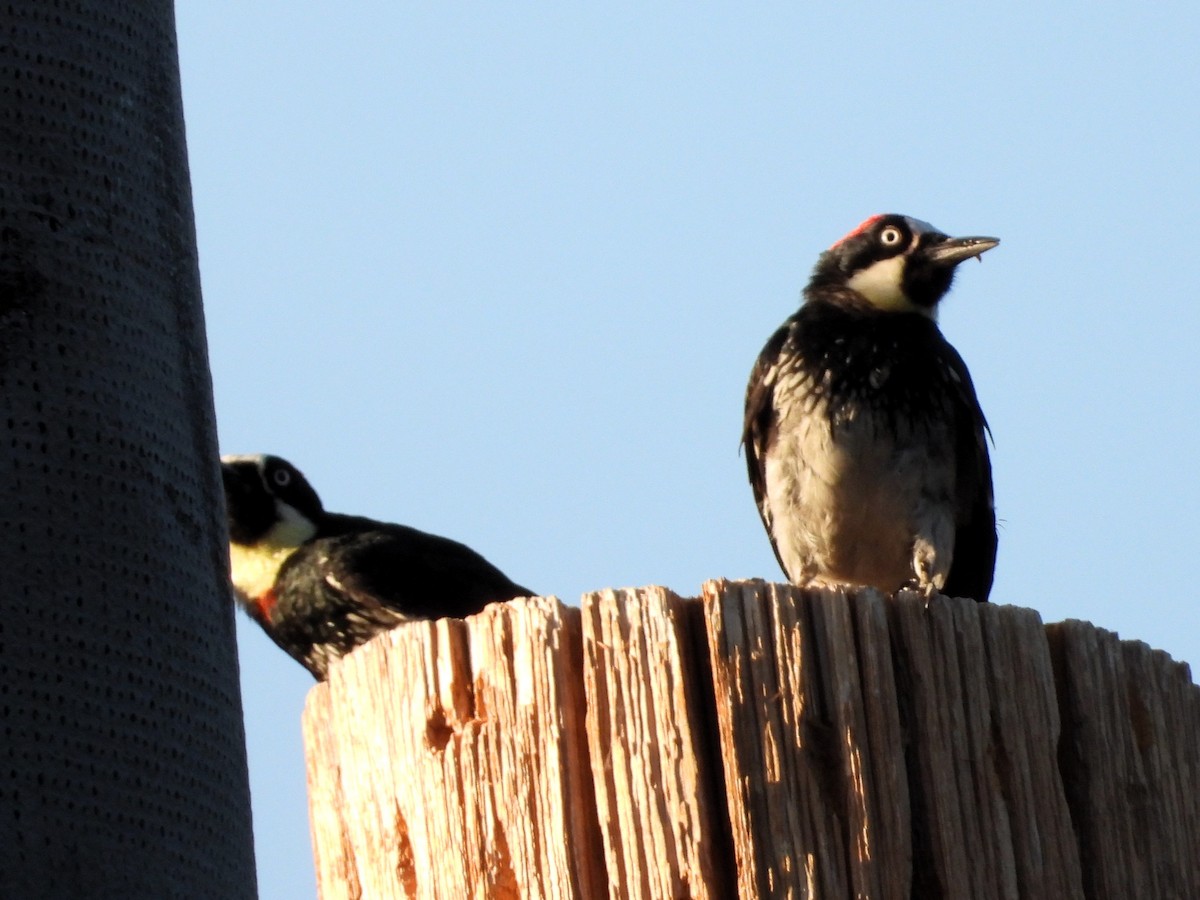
{"points": [[927, 589]]}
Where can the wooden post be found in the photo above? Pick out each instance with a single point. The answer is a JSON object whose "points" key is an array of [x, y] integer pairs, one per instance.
{"points": [[760, 741]]}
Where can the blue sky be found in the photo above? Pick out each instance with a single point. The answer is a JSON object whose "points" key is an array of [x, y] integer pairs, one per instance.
{"points": [[500, 272]]}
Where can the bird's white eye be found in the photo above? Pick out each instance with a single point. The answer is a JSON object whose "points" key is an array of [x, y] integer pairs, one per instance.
{"points": [[890, 236], [281, 477]]}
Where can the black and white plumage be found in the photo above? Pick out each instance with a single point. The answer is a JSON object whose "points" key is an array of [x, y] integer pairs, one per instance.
{"points": [[321, 583], [864, 440]]}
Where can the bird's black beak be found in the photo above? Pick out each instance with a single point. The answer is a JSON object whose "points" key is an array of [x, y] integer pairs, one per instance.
{"points": [[952, 251]]}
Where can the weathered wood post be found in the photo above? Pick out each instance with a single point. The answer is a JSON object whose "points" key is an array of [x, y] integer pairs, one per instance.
{"points": [[760, 741]]}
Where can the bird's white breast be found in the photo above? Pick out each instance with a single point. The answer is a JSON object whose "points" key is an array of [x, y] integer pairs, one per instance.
{"points": [[858, 499]]}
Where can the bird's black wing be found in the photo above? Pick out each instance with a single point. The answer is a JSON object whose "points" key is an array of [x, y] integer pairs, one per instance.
{"points": [[973, 566], [760, 426], [415, 574]]}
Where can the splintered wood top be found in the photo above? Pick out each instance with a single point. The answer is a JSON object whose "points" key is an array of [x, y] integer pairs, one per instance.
{"points": [[759, 741]]}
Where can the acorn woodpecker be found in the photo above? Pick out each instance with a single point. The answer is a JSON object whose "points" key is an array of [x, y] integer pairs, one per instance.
{"points": [[321, 583], [864, 439]]}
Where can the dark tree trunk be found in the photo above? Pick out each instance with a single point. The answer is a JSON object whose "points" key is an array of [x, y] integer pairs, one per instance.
{"points": [[122, 760]]}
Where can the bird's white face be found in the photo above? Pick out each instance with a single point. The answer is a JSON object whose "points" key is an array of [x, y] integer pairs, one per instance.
{"points": [[882, 282], [292, 529], [254, 567]]}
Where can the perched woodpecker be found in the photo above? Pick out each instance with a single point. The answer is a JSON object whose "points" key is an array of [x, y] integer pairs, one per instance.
{"points": [[864, 439], [321, 583]]}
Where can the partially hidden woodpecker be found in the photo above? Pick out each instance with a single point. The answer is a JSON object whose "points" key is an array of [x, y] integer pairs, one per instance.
{"points": [[321, 583], [864, 439]]}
